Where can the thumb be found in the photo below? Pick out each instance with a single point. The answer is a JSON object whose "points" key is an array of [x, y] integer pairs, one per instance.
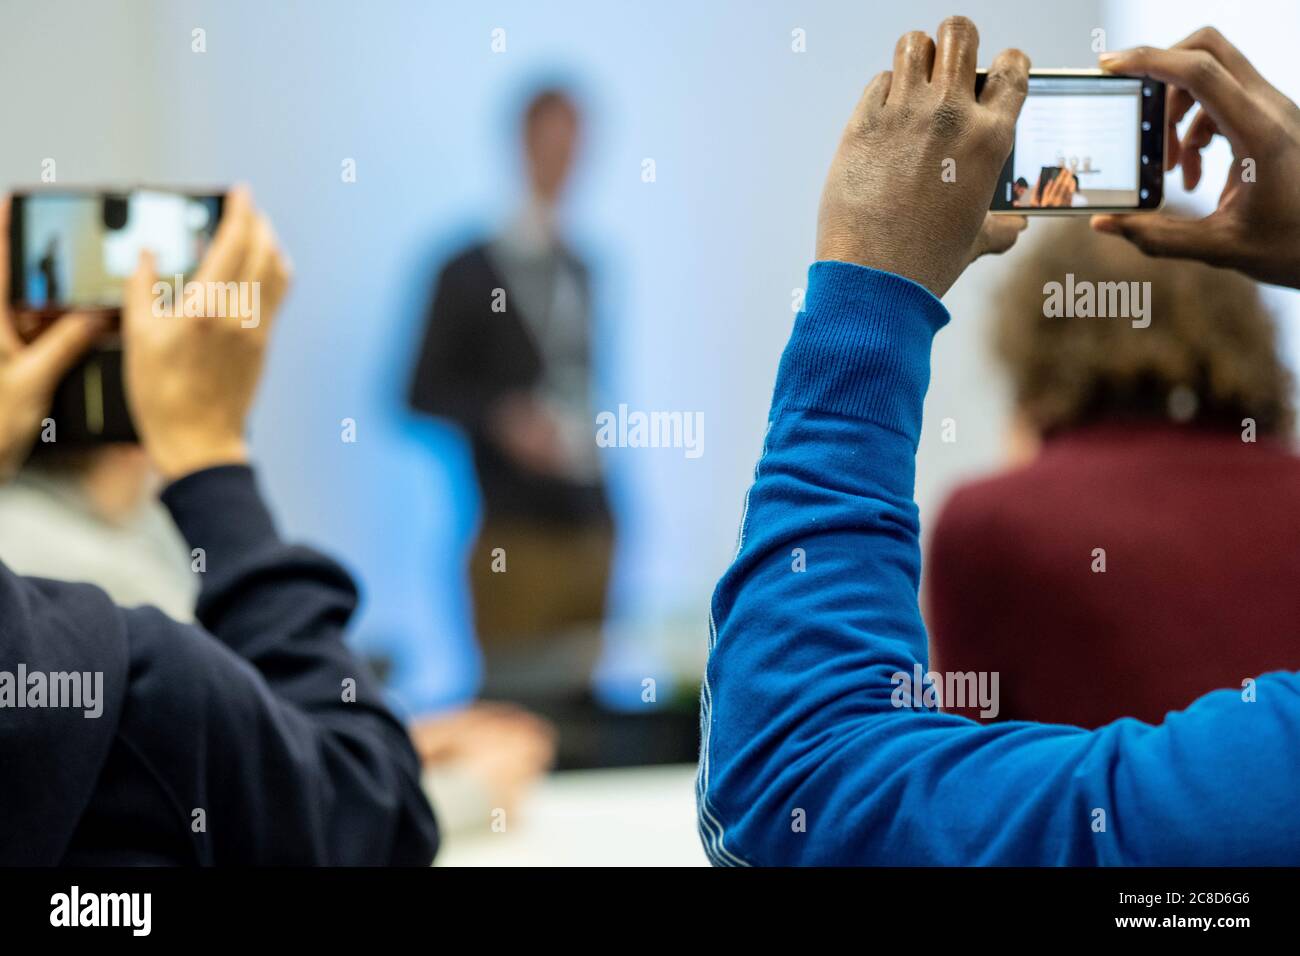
{"points": [[57, 349], [998, 234], [1159, 235]]}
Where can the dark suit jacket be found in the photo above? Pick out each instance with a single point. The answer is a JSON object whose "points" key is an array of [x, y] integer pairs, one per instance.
{"points": [[470, 358]]}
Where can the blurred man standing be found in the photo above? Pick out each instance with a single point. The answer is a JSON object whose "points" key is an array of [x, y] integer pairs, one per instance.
{"points": [[506, 355]]}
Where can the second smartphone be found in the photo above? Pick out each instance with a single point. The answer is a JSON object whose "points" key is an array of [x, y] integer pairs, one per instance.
{"points": [[72, 249]]}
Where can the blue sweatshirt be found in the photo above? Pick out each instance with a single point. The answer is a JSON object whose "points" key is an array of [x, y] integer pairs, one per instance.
{"points": [[806, 757]]}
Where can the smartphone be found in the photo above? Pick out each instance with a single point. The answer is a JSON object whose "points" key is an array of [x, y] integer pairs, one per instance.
{"points": [[72, 250], [1047, 177], [1106, 130]]}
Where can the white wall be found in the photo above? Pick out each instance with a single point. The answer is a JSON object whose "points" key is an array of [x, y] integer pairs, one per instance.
{"points": [[74, 76]]}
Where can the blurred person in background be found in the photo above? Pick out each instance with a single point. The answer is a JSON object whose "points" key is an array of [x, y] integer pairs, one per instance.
{"points": [[506, 355], [1141, 550]]}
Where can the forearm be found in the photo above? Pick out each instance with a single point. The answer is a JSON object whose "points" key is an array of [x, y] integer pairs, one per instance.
{"points": [[808, 760], [255, 590], [284, 610]]}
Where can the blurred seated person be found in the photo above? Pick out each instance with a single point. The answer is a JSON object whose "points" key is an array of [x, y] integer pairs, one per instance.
{"points": [[93, 514], [506, 356], [1141, 550]]}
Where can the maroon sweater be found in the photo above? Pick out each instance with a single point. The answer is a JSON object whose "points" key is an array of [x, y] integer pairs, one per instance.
{"points": [[1201, 533]]}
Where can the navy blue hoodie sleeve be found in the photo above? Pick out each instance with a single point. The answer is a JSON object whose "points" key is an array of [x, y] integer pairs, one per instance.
{"points": [[810, 753], [257, 738]]}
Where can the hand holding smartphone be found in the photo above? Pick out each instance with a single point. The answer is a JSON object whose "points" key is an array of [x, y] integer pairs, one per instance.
{"points": [[73, 250]]}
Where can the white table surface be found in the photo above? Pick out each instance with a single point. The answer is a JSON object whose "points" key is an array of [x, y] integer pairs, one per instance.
{"points": [[642, 816]]}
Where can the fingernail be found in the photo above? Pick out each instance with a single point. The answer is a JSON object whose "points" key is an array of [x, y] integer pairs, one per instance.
{"points": [[1105, 225]]}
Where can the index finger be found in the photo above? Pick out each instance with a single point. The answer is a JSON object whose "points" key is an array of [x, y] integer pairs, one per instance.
{"points": [[231, 242], [1200, 73], [1214, 42]]}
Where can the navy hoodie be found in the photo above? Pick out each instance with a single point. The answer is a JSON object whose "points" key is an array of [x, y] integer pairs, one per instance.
{"points": [[254, 737]]}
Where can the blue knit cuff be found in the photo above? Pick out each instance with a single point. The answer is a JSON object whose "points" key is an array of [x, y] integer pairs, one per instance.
{"points": [[861, 347]]}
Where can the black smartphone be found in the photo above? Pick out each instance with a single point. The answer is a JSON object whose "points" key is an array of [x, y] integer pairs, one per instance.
{"points": [[1046, 177], [1107, 131], [72, 250]]}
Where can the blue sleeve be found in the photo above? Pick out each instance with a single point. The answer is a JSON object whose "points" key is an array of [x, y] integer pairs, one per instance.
{"points": [[805, 757]]}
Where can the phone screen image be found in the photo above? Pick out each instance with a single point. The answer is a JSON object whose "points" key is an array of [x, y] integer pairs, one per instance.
{"points": [[1085, 143], [73, 250]]}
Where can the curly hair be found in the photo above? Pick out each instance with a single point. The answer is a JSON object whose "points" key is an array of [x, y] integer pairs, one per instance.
{"points": [[1210, 335]]}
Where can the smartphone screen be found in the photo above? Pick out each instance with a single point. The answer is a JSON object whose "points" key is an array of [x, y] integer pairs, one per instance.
{"points": [[1086, 143], [73, 250]]}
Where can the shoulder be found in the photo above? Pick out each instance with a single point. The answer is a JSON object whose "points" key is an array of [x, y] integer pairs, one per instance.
{"points": [[999, 515], [980, 507], [468, 259]]}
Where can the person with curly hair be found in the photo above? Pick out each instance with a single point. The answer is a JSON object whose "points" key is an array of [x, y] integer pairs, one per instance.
{"points": [[1141, 549]]}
